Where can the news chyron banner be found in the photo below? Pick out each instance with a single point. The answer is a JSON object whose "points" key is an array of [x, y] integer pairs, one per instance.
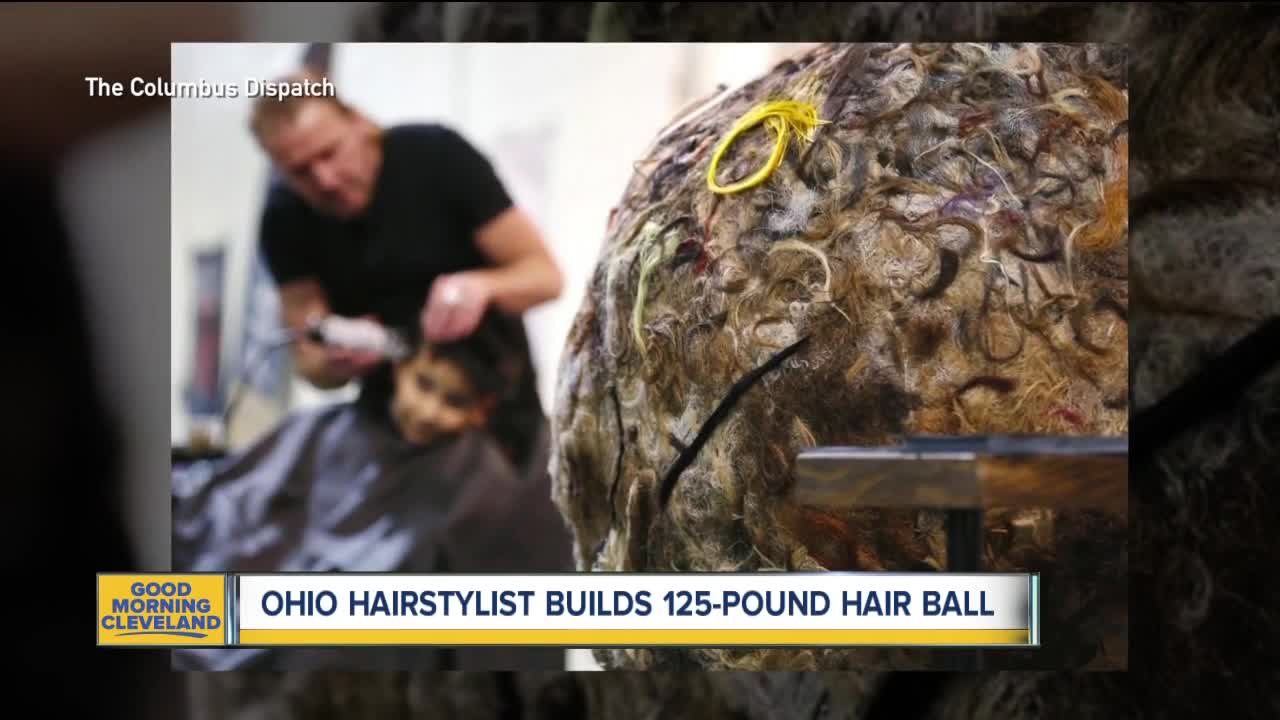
{"points": [[770, 609]]}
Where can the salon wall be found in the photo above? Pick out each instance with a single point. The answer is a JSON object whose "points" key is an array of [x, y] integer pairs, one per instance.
{"points": [[564, 123]]}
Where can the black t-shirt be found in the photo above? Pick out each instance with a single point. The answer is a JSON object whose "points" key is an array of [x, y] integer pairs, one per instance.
{"points": [[433, 192]]}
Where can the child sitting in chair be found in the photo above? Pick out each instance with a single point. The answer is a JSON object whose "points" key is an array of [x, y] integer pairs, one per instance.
{"points": [[425, 486]]}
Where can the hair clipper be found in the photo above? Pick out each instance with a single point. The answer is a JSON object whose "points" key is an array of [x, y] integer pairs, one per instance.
{"points": [[358, 335]]}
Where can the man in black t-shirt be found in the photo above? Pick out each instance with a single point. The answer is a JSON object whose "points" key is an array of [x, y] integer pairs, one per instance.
{"points": [[408, 225]]}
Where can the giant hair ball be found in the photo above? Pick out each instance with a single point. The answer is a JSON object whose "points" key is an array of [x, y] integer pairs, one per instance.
{"points": [[868, 242]]}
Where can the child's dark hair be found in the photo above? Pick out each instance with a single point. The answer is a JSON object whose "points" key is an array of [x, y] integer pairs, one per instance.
{"points": [[493, 357]]}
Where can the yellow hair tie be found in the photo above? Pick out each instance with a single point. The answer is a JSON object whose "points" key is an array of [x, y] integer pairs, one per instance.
{"points": [[780, 116]]}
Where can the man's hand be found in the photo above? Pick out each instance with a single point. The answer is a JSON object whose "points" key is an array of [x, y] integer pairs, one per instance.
{"points": [[351, 363], [523, 275], [340, 365], [330, 368], [324, 367], [455, 306]]}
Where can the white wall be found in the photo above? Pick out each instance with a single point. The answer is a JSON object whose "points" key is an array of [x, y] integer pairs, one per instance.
{"points": [[600, 105], [217, 177]]}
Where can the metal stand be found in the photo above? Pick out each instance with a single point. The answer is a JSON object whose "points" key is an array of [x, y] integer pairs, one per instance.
{"points": [[965, 546], [963, 475], [964, 541]]}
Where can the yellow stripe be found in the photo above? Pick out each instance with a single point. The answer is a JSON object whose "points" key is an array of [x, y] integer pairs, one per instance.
{"points": [[581, 637]]}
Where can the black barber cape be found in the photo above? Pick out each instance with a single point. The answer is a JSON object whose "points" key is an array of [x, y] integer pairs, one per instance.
{"points": [[338, 490]]}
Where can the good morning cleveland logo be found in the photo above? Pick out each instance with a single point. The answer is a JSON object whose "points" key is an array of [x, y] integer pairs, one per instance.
{"points": [[161, 610]]}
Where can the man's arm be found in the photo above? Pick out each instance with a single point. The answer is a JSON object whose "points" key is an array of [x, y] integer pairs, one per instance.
{"points": [[324, 367], [287, 238], [524, 275]]}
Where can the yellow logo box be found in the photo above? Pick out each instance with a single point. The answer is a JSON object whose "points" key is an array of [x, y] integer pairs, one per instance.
{"points": [[162, 610]]}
